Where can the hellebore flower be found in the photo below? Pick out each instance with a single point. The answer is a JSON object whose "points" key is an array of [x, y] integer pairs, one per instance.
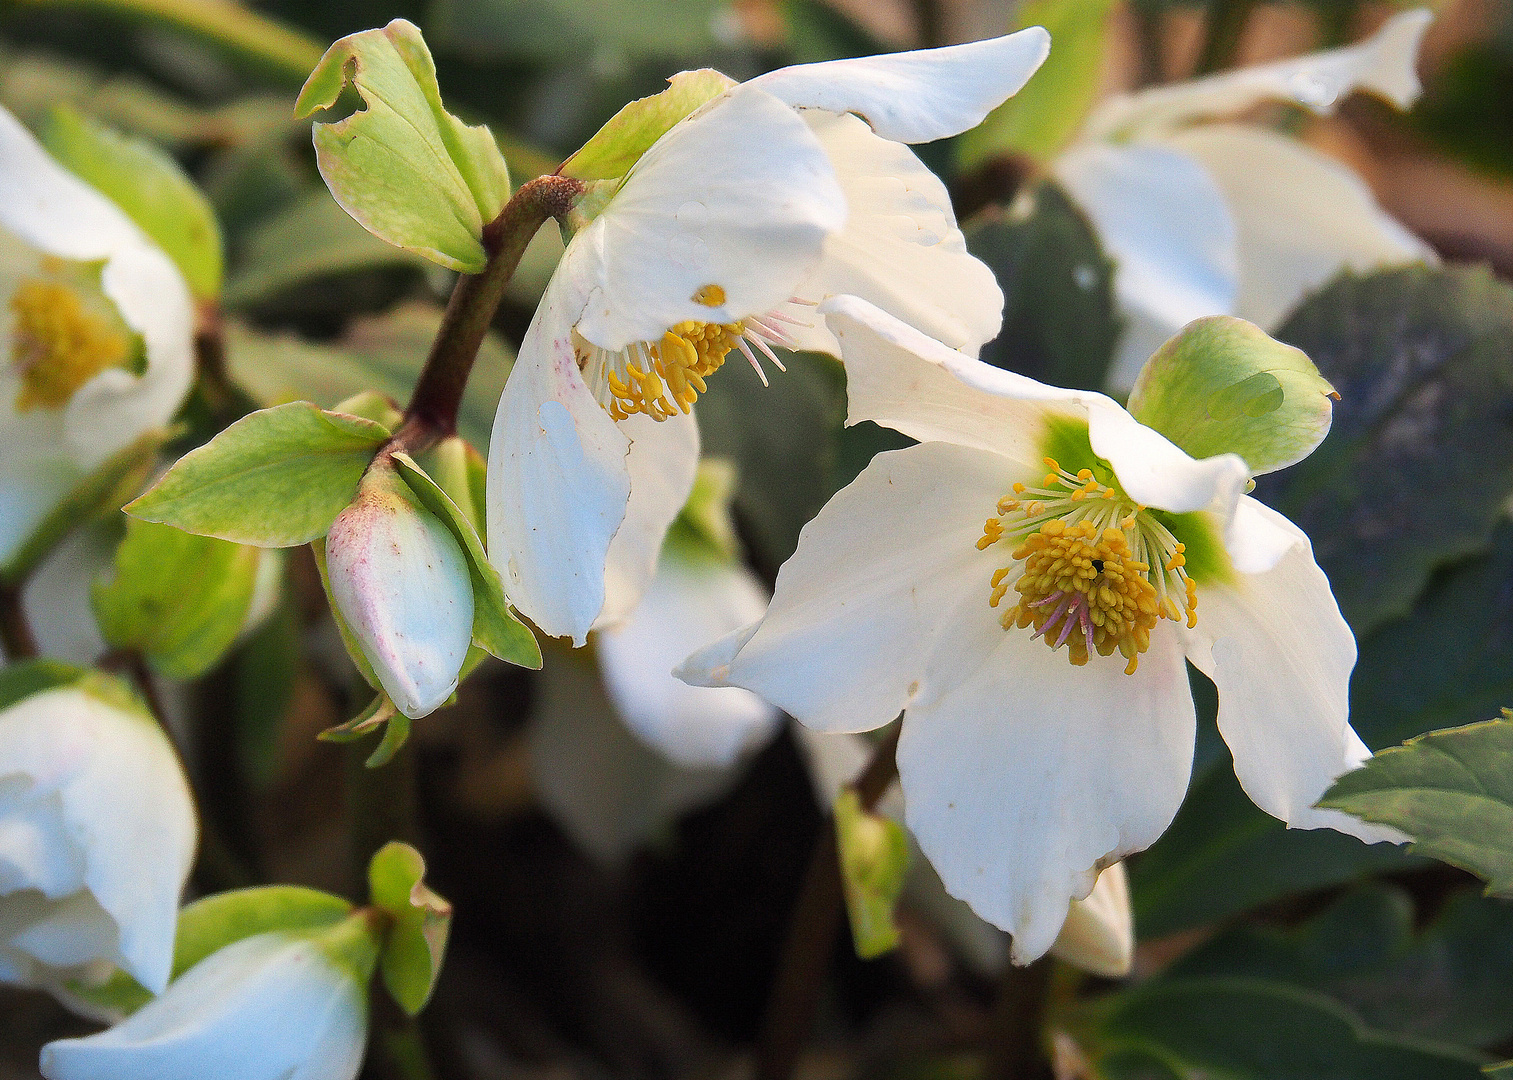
{"points": [[1209, 216], [402, 586], [100, 338], [97, 835], [722, 236], [1104, 545], [275, 1006]]}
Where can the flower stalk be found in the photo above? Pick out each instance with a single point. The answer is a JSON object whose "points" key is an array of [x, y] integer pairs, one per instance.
{"points": [[15, 631]]}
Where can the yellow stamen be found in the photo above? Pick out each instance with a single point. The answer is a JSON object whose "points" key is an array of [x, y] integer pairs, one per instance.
{"points": [[687, 354], [58, 345], [709, 295]]}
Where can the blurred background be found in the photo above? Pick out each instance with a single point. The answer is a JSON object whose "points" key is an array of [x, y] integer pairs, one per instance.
{"points": [[651, 954]]}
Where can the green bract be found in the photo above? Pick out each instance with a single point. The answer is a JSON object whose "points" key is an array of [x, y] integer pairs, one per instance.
{"points": [[179, 598], [417, 940], [275, 478], [19, 681], [1223, 386], [874, 856], [1451, 791], [628, 134], [150, 187], [404, 167]]}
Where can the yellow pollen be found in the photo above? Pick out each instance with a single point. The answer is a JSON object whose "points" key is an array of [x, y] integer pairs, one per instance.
{"points": [[709, 295], [57, 345], [687, 354]]}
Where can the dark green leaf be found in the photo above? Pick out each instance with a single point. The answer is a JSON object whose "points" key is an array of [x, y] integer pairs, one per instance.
{"points": [[1423, 361], [1059, 323], [22, 680], [266, 670]]}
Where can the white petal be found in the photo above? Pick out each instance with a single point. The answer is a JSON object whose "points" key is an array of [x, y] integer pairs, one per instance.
{"points": [[739, 195], [72, 932], [874, 590], [1099, 932], [1155, 472], [1258, 537], [663, 459], [1168, 228], [35, 849], [402, 585], [36, 469], [1382, 64], [908, 381], [57, 596], [918, 96], [1281, 658], [1302, 217], [123, 795], [900, 248], [1027, 776], [606, 787], [688, 605], [268, 1007], [558, 482]]}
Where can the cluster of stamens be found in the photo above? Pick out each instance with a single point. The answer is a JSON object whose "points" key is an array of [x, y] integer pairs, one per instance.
{"points": [[1097, 571], [662, 378], [57, 345]]}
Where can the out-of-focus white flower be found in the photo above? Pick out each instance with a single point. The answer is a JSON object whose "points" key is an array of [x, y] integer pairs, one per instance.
{"points": [[722, 236], [98, 331], [1026, 775], [276, 1006], [402, 585], [1204, 215], [97, 836]]}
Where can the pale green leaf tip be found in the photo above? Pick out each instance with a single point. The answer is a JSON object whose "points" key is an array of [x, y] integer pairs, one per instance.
{"points": [[874, 858]]}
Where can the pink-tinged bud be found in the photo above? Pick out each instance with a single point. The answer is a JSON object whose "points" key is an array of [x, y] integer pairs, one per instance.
{"points": [[401, 583]]}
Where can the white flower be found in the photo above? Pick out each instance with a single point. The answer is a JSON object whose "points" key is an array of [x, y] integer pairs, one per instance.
{"points": [[1207, 216], [401, 583], [276, 1006], [98, 332], [722, 236], [1026, 775], [97, 836]]}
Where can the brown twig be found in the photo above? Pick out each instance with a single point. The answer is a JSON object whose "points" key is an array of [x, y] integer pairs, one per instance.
{"points": [[816, 919], [1015, 1051]]}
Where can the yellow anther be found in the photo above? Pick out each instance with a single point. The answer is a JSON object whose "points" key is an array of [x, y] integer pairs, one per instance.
{"points": [[58, 345], [992, 532], [687, 355], [709, 295], [1019, 489]]}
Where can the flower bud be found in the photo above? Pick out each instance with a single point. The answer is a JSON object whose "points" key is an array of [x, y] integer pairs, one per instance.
{"points": [[1099, 932], [97, 835], [280, 1006], [401, 584]]}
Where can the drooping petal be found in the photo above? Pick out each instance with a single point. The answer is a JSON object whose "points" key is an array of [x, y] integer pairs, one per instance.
{"points": [[900, 248], [906, 380], [1168, 228], [1099, 932], [689, 605], [733, 203], [1155, 472], [1302, 217], [1280, 653], [558, 482], [919, 96], [1026, 776], [872, 593], [1383, 64], [600, 781], [662, 460]]}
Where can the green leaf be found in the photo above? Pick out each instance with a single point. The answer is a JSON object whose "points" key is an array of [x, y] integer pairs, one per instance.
{"points": [[495, 627], [1451, 791], [1221, 386], [21, 680], [150, 187], [416, 943], [874, 857], [275, 478], [1043, 117], [703, 528], [409, 171], [619, 144], [180, 599], [1242, 1029], [1501, 1071], [572, 29], [1423, 361], [1059, 324], [264, 680], [214, 922]]}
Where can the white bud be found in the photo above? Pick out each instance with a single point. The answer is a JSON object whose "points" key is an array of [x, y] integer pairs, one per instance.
{"points": [[275, 1006], [1099, 932], [97, 836], [402, 585]]}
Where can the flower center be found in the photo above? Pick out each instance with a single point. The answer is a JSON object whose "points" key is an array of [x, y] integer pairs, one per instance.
{"points": [[1097, 570], [662, 378], [58, 345]]}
